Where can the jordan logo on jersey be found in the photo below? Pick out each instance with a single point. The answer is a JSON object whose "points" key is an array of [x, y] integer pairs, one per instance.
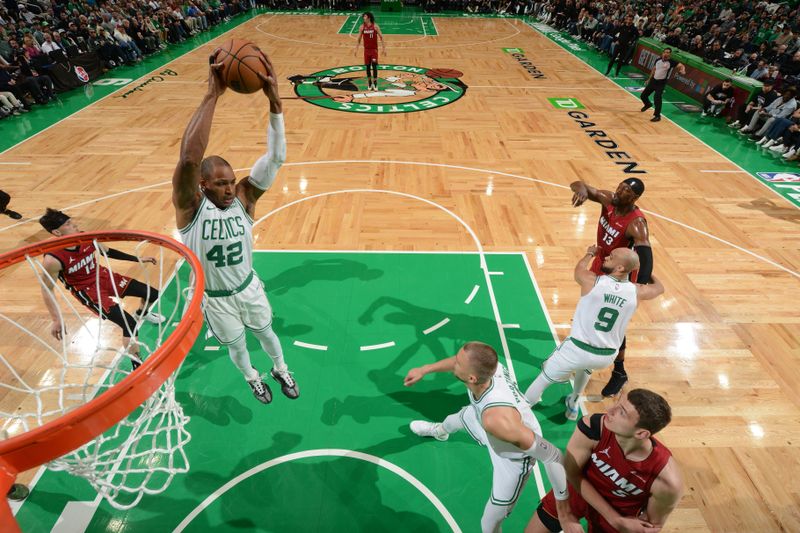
{"points": [[626, 488]]}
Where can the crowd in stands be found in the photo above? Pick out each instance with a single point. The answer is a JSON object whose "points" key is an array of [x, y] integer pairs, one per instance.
{"points": [[756, 39], [759, 40], [34, 34]]}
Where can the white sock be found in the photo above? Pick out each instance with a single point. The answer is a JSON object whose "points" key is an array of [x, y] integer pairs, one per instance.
{"points": [[272, 345], [241, 358], [452, 423], [537, 388], [493, 516], [581, 380]]}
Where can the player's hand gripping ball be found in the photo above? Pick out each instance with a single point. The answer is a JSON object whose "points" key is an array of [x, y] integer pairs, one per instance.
{"points": [[242, 61]]}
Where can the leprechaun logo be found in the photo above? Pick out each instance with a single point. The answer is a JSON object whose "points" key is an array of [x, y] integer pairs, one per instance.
{"points": [[401, 89]]}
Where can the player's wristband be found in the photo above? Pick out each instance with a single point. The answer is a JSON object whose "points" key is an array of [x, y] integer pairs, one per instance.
{"points": [[645, 263]]}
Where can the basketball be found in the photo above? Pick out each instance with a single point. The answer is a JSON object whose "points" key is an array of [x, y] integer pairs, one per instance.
{"points": [[241, 62]]}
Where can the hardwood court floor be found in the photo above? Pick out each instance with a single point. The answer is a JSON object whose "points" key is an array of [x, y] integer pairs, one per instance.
{"points": [[722, 344]]}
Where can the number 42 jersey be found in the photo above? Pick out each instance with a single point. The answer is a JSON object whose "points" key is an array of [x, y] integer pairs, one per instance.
{"points": [[602, 316], [223, 241]]}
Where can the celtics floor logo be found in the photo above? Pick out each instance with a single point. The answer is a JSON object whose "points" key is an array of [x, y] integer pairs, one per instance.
{"points": [[401, 89]]}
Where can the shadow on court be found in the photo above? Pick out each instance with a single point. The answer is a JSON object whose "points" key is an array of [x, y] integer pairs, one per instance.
{"points": [[218, 410], [771, 209], [322, 270], [199, 357], [321, 494], [437, 395]]}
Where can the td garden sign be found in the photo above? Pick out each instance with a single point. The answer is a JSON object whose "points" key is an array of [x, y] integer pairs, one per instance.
{"points": [[401, 89]]}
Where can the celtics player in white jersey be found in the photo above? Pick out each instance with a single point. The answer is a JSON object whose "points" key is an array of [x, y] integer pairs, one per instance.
{"points": [[215, 214], [499, 417], [606, 306]]}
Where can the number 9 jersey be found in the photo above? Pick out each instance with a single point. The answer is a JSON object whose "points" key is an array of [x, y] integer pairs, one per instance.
{"points": [[602, 316]]}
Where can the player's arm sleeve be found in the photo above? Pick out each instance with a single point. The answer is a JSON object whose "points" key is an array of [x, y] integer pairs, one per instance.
{"points": [[266, 168], [553, 460], [645, 263], [122, 256]]}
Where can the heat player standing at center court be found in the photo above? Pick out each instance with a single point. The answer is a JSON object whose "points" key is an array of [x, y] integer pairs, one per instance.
{"points": [[370, 32]]}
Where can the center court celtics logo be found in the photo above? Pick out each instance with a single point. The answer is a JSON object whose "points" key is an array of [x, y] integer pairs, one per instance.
{"points": [[401, 89]]}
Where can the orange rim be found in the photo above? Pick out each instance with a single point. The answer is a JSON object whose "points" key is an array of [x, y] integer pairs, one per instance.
{"points": [[72, 430]]}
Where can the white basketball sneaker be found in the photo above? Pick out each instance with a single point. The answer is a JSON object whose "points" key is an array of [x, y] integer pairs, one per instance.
{"points": [[151, 316], [429, 429], [572, 409]]}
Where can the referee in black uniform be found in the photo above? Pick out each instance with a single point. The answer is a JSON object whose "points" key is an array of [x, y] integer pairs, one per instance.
{"points": [[658, 79], [623, 44]]}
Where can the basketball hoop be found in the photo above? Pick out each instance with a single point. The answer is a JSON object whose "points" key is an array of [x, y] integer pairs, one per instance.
{"points": [[139, 407]]}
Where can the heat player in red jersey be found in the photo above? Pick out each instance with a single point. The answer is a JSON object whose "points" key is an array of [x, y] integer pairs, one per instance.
{"points": [[370, 33], [621, 225], [95, 287], [622, 479]]}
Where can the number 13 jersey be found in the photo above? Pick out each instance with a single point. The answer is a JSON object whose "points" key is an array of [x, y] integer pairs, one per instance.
{"points": [[223, 241], [612, 230], [602, 316]]}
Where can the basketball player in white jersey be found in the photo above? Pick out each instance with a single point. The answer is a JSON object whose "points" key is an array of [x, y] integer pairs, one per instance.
{"points": [[215, 217], [606, 306], [500, 418]]}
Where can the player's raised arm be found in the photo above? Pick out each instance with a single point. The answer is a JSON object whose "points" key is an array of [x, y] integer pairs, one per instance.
{"points": [[583, 276], [653, 290], [263, 173], [186, 179], [638, 232], [582, 192]]}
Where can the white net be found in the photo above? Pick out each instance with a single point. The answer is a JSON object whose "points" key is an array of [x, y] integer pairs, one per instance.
{"points": [[43, 377]]}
